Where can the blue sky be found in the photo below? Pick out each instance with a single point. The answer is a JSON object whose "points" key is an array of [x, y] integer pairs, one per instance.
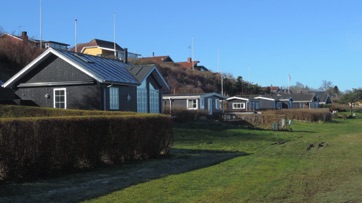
{"points": [[263, 41]]}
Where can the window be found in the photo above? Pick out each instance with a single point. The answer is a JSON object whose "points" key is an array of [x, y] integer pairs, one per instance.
{"points": [[113, 98], [192, 104], [154, 99], [202, 103], [142, 98], [217, 103], [238, 106], [60, 98]]}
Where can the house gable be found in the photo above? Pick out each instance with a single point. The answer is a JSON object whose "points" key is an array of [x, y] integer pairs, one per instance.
{"points": [[103, 70], [143, 72], [55, 71]]}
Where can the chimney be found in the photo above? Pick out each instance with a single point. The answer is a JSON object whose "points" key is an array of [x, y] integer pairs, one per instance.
{"points": [[24, 36], [153, 54], [125, 55], [189, 60]]}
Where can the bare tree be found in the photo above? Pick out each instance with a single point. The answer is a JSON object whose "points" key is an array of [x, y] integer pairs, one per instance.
{"points": [[326, 85]]}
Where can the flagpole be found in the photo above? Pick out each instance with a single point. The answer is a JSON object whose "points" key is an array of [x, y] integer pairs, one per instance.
{"points": [[75, 35], [288, 84], [40, 42], [114, 30]]}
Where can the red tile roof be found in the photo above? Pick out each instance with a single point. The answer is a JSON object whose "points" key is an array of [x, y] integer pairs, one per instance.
{"points": [[189, 64]]}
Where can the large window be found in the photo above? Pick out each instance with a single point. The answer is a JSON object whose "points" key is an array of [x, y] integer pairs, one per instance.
{"points": [[60, 98], [142, 98], [113, 98], [238, 105], [192, 104], [154, 99], [217, 103]]}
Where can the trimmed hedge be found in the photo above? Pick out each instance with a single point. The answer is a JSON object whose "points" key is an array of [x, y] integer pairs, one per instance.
{"points": [[40, 147], [266, 119], [12, 111], [183, 115], [309, 115]]}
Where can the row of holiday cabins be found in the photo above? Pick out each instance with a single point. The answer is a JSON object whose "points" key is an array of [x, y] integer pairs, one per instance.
{"points": [[213, 102], [69, 80]]}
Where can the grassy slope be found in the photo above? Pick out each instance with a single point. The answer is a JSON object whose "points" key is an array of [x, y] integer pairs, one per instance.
{"points": [[270, 173]]}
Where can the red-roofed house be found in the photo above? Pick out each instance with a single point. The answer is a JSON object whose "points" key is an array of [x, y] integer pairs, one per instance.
{"points": [[190, 64], [23, 38]]}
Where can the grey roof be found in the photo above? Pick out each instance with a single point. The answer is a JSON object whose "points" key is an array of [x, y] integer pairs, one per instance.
{"points": [[107, 44], [322, 96], [104, 70], [193, 95], [141, 72]]}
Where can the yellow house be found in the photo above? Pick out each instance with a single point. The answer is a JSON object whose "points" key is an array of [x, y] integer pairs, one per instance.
{"points": [[97, 47]]}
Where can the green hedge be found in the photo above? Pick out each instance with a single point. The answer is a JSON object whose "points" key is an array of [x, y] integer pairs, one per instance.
{"points": [[266, 119], [11, 111], [309, 115], [182, 115], [39, 147]]}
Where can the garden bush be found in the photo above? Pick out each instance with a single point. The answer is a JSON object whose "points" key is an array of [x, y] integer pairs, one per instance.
{"points": [[182, 115], [13, 111], [266, 119], [309, 115], [41, 147]]}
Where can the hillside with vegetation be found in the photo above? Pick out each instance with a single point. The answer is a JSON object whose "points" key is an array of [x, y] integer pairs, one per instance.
{"points": [[15, 56], [184, 80]]}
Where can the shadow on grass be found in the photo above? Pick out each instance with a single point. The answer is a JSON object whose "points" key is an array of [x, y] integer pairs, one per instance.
{"points": [[99, 182]]}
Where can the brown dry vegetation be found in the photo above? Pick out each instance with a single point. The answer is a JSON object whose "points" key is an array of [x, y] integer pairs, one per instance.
{"points": [[15, 55], [193, 81]]}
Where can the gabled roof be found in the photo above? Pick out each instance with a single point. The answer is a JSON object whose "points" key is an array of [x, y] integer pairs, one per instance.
{"points": [[237, 98], [155, 59], [192, 96], [323, 97], [98, 43], [307, 97], [103, 70], [141, 72], [265, 97], [189, 64], [24, 35], [14, 37]]}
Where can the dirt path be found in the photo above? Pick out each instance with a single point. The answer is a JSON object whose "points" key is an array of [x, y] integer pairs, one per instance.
{"points": [[88, 185]]}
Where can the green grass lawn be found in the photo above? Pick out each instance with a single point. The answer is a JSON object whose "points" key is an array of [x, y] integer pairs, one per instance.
{"points": [[317, 162]]}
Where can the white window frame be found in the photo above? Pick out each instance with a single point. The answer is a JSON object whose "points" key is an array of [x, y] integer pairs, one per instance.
{"points": [[217, 103], [192, 108], [65, 97], [242, 105], [114, 102]]}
